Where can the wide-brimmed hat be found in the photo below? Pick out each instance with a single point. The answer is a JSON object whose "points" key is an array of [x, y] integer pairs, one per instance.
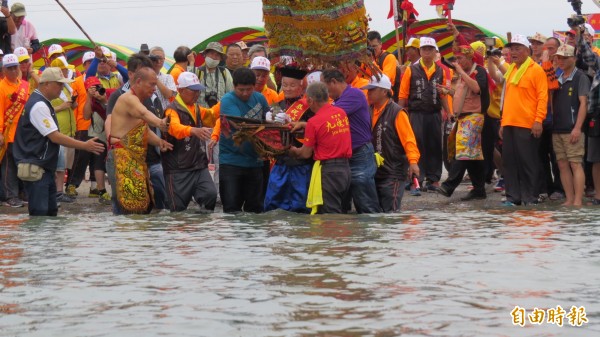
{"points": [[216, 46], [53, 74]]}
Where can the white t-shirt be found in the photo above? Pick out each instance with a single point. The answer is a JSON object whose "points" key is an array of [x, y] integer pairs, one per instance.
{"points": [[41, 117]]}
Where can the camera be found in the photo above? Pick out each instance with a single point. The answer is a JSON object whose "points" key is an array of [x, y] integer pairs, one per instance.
{"points": [[576, 20], [100, 90], [371, 51], [211, 98], [494, 52]]}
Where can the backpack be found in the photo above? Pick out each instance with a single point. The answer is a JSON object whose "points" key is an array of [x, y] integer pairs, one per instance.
{"points": [[396, 84]]}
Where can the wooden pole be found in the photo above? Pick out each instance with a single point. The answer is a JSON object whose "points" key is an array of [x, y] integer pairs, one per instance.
{"points": [[76, 23]]}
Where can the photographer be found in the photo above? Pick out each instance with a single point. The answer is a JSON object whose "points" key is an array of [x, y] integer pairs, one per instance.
{"points": [[94, 110], [592, 61], [216, 79], [7, 28]]}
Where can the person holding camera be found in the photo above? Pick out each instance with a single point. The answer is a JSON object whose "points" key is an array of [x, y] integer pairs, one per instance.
{"points": [[471, 102], [216, 79], [7, 28], [83, 159], [591, 60], [94, 110], [101, 67]]}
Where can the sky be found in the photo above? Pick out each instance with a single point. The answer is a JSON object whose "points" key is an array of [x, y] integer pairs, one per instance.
{"points": [[171, 23]]}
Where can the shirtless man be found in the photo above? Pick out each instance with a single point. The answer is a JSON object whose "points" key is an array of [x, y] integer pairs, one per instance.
{"points": [[129, 138]]}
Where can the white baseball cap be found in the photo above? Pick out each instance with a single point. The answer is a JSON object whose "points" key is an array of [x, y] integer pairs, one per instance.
{"points": [[427, 41], [55, 49], [10, 60], [519, 39], [313, 77], [383, 82], [105, 51], [88, 56], [260, 63], [21, 53], [190, 81]]}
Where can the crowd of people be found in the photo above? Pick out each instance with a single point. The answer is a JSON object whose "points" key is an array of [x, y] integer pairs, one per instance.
{"points": [[527, 117]]}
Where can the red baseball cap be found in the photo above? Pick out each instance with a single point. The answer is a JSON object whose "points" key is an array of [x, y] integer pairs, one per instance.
{"points": [[91, 81]]}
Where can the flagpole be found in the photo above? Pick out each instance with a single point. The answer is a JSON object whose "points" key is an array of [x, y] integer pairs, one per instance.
{"points": [[76, 23]]}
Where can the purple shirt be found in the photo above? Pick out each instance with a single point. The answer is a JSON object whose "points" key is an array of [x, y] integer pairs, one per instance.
{"points": [[354, 103]]}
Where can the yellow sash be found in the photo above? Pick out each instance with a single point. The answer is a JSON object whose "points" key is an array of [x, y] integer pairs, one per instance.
{"points": [[19, 98], [315, 190], [134, 190]]}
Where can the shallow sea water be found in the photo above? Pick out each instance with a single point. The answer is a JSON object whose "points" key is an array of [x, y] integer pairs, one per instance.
{"points": [[429, 273]]}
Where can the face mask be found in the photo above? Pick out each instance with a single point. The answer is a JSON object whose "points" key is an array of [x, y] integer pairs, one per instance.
{"points": [[211, 63]]}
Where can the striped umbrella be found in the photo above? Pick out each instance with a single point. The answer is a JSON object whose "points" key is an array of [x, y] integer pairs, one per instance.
{"points": [[75, 48], [438, 29]]}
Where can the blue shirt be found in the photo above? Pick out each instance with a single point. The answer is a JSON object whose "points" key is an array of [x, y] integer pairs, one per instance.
{"points": [[255, 108], [354, 103]]}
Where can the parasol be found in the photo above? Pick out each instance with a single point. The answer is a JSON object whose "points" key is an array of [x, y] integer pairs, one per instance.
{"points": [[75, 48], [438, 29]]}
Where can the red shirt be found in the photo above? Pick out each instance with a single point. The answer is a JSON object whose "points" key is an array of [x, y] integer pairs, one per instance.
{"points": [[328, 133]]}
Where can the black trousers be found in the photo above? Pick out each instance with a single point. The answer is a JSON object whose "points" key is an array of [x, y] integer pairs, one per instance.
{"points": [[81, 161], [428, 132], [489, 137], [549, 181], [335, 183], [390, 192], [182, 186], [241, 188], [520, 156], [476, 169]]}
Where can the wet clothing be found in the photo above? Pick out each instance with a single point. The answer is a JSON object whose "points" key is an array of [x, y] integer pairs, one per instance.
{"points": [[335, 183], [392, 133], [132, 191], [289, 178], [182, 186], [328, 133], [362, 163], [32, 145], [186, 166], [240, 169]]}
